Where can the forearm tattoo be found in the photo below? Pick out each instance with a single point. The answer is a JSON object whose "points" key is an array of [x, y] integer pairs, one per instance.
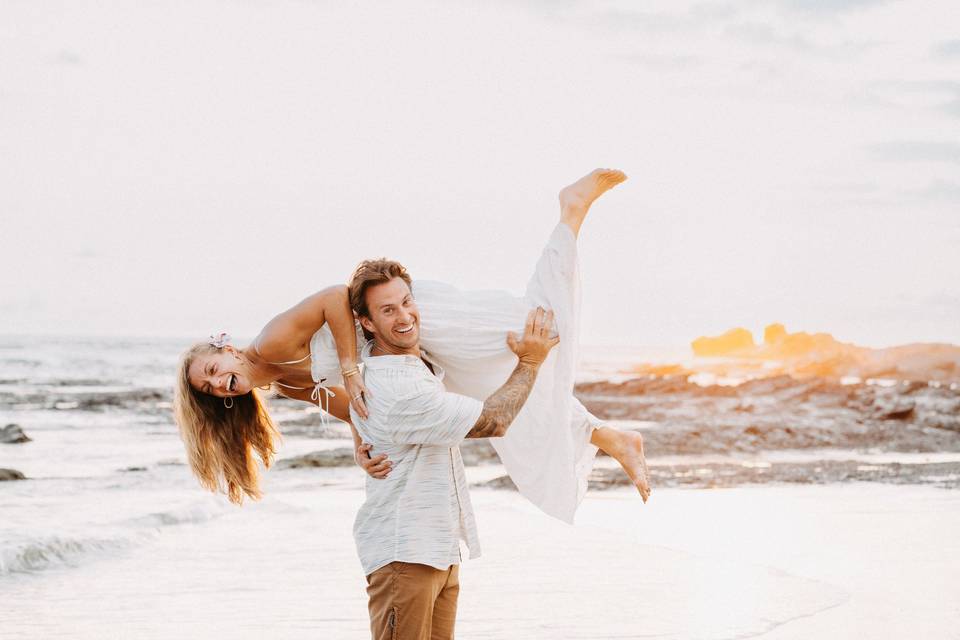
{"points": [[502, 407]]}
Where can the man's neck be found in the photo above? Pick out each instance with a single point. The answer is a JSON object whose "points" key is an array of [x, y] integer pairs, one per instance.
{"points": [[381, 349]]}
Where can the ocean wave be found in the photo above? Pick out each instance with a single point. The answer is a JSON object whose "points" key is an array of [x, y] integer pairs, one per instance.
{"points": [[46, 552], [58, 551], [192, 514]]}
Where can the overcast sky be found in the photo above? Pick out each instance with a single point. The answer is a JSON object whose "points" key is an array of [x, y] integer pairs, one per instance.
{"points": [[185, 167]]}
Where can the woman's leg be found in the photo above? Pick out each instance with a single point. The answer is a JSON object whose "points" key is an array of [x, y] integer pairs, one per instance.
{"points": [[575, 199], [626, 447], [464, 331]]}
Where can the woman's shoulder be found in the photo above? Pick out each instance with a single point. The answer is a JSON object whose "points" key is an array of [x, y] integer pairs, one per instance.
{"points": [[280, 349]]}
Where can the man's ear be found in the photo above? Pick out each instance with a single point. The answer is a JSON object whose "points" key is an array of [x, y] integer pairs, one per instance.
{"points": [[366, 323]]}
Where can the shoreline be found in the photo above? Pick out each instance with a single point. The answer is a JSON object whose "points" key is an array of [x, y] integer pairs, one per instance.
{"points": [[777, 562]]}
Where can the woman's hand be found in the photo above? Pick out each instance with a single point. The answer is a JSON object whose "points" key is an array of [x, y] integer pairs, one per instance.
{"points": [[356, 390], [378, 467]]}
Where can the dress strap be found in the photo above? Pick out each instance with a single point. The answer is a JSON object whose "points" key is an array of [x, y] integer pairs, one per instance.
{"points": [[315, 396], [288, 386]]}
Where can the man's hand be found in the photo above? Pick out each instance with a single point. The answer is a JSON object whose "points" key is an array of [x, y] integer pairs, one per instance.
{"points": [[378, 467], [535, 345], [502, 406]]}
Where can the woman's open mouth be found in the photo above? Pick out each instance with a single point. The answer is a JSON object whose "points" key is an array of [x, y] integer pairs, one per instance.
{"points": [[232, 383]]}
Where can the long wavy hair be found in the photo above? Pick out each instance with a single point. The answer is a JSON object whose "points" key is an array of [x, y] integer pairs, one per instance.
{"points": [[221, 443]]}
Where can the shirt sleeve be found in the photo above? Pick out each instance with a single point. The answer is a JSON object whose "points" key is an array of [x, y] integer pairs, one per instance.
{"points": [[432, 416]]}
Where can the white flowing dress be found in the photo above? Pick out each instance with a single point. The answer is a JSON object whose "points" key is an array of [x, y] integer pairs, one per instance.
{"points": [[547, 450]]}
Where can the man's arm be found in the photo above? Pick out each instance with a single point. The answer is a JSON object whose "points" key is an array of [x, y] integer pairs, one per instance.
{"points": [[500, 409]]}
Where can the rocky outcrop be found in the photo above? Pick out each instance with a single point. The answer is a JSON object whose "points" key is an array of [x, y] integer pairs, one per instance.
{"points": [[339, 457], [732, 342], [712, 475], [13, 434], [732, 474], [781, 412], [153, 401], [774, 333], [474, 452], [11, 474], [819, 354], [310, 426]]}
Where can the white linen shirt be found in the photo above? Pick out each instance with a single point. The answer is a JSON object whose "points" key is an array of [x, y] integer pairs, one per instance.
{"points": [[421, 511]]}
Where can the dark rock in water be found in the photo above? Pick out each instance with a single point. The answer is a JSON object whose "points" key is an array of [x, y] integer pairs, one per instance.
{"points": [[474, 452], [13, 434], [340, 457], [134, 469], [901, 410], [940, 421], [311, 426], [739, 473], [477, 451], [913, 386], [770, 385], [142, 400], [502, 482], [11, 474], [127, 399]]}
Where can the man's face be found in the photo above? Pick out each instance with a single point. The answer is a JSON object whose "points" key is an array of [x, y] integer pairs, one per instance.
{"points": [[394, 319]]}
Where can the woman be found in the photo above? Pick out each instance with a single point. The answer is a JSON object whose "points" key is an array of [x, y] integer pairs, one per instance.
{"points": [[310, 353]]}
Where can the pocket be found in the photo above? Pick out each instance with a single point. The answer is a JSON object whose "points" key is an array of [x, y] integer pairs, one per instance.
{"points": [[392, 623]]}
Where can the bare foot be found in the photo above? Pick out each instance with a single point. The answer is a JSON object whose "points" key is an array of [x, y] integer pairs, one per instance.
{"points": [[627, 449], [575, 199]]}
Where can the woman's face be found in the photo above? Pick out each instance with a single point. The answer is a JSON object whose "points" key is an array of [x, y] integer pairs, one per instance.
{"points": [[222, 374]]}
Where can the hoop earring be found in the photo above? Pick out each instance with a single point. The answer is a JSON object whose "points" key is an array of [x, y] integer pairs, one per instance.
{"points": [[228, 406]]}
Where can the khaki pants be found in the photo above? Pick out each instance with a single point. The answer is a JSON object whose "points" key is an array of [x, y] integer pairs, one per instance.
{"points": [[413, 601]]}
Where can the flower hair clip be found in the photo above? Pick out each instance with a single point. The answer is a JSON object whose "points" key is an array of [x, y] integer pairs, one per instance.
{"points": [[221, 340]]}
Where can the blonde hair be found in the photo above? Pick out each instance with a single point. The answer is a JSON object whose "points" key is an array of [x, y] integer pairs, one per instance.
{"points": [[221, 442]]}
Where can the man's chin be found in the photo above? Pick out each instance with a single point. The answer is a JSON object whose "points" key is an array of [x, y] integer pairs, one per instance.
{"points": [[405, 342]]}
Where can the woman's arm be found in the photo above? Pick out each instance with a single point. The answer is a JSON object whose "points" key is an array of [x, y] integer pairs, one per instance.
{"points": [[288, 334]]}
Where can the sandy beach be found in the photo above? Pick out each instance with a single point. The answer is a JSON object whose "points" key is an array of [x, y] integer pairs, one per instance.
{"points": [[823, 511], [783, 562]]}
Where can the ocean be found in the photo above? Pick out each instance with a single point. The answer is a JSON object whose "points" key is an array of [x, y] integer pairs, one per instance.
{"points": [[111, 537]]}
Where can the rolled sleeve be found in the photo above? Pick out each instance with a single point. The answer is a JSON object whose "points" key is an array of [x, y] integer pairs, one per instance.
{"points": [[433, 416]]}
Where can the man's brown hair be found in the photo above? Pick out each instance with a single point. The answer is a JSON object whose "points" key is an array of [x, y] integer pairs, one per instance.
{"points": [[370, 273]]}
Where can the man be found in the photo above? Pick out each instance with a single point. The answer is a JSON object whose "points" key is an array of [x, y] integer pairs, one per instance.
{"points": [[408, 530]]}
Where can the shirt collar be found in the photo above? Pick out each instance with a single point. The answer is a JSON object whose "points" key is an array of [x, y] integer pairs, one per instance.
{"points": [[393, 361]]}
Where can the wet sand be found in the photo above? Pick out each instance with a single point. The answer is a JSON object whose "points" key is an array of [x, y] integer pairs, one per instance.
{"points": [[775, 561]]}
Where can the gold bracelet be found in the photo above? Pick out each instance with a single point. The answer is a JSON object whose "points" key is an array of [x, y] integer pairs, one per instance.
{"points": [[351, 372]]}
